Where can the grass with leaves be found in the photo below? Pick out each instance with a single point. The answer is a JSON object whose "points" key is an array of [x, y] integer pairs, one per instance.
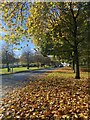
{"points": [[56, 95]]}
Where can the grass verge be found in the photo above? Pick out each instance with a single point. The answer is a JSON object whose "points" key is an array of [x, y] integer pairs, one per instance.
{"points": [[19, 69]]}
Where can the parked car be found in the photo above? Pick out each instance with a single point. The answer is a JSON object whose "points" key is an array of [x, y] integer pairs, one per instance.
{"points": [[61, 65], [32, 65], [24, 65]]}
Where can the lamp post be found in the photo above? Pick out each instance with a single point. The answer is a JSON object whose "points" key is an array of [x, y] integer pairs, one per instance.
{"points": [[12, 58], [37, 57], [7, 61]]}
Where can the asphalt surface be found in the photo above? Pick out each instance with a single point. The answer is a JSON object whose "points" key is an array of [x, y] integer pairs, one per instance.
{"points": [[10, 82]]}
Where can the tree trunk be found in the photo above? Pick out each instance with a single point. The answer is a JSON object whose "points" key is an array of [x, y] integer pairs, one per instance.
{"points": [[8, 69], [73, 65], [76, 46], [38, 64], [77, 64], [28, 66]]}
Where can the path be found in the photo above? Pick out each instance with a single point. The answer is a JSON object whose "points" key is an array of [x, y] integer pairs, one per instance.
{"points": [[11, 82]]}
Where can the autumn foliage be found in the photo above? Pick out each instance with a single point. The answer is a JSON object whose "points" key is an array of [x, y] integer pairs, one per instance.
{"points": [[51, 97]]}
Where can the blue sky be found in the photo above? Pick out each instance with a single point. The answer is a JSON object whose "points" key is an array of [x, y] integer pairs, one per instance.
{"points": [[19, 48], [23, 43]]}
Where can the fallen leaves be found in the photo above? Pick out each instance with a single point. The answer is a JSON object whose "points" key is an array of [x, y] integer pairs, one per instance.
{"points": [[48, 98]]}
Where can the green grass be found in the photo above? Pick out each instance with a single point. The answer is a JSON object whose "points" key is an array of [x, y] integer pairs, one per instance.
{"points": [[66, 73], [4, 71]]}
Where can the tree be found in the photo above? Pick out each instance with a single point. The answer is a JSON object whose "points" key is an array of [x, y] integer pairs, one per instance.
{"points": [[14, 18], [65, 23], [27, 57], [7, 58]]}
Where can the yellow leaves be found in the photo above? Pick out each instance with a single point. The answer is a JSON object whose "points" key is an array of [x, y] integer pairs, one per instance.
{"points": [[52, 96], [28, 31], [1, 111], [0, 37], [42, 116], [6, 10], [48, 95], [83, 116], [47, 113], [12, 36], [3, 5], [12, 107], [18, 116], [9, 25], [51, 3]]}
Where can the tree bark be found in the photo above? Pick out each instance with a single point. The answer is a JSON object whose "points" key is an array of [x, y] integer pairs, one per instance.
{"points": [[27, 66], [28, 61], [73, 65], [8, 69], [75, 40], [77, 64]]}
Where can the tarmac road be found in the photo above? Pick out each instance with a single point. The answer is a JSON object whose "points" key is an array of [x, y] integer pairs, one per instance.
{"points": [[10, 82]]}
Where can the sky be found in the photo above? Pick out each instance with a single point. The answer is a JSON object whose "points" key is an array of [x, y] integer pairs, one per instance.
{"points": [[23, 43], [18, 49]]}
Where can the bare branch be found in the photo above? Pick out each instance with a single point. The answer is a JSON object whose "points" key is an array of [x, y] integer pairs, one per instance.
{"points": [[77, 12], [23, 4], [71, 10]]}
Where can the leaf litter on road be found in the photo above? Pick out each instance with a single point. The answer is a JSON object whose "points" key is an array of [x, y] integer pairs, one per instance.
{"points": [[49, 97]]}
